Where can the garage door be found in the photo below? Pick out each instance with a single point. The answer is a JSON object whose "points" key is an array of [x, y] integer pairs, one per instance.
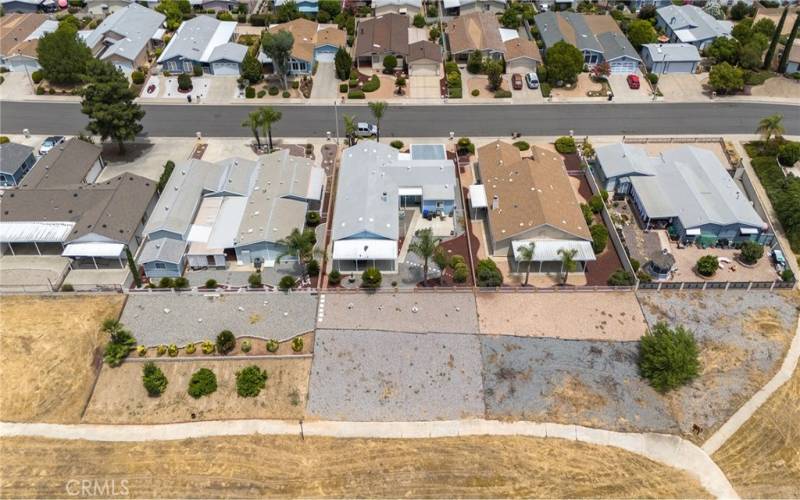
{"points": [[226, 68], [679, 67], [623, 67], [422, 69], [522, 67]]}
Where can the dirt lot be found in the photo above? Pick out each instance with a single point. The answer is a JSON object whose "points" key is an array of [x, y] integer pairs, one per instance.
{"points": [[120, 398], [585, 315], [259, 466], [763, 458], [49, 351]]}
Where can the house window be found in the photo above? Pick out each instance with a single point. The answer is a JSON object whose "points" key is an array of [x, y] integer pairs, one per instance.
{"points": [[160, 265]]}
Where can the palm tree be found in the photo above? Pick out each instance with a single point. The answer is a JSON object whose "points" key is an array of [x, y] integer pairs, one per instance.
{"points": [[400, 83], [253, 122], [568, 263], [349, 128], [378, 109], [424, 246], [526, 255], [300, 245], [771, 126], [268, 117]]}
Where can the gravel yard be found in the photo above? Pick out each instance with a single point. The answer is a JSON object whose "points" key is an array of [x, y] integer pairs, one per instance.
{"points": [[400, 312], [584, 315], [194, 317], [381, 376]]}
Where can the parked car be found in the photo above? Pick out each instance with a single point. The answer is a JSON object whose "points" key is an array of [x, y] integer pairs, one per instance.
{"points": [[364, 129], [532, 79], [633, 82], [780, 260], [50, 143], [516, 81]]}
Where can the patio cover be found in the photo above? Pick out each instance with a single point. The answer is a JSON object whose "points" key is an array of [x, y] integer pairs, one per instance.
{"points": [[39, 232], [477, 196], [365, 250], [547, 250], [103, 250]]}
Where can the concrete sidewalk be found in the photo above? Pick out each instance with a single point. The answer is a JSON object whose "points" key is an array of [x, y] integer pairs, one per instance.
{"points": [[669, 450]]}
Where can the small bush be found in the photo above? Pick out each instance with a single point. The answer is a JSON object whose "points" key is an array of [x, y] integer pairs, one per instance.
{"points": [[153, 379], [273, 90], [250, 92], [261, 93], [297, 344], [211, 283], [286, 94], [313, 218], [51, 91], [172, 350], [313, 267], [254, 280], [636, 265], [4, 139], [371, 278], [789, 153], [37, 76], [465, 146], [202, 383], [455, 93], [137, 77], [397, 144], [226, 342], [287, 283], [668, 358], [334, 277], [272, 345], [599, 237], [522, 145], [166, 282], [184, 82], [247, 345], [460, 273], [197, 70], [596, 204], [621, 277], [502, 94], [488, 274], [707, 265], [566, 145], [66, 287], [588, 214], [141, 350], [787, 275], [207, 347], [372, 85], [40, 90], [181, 282], [653, 78], [161, 349], [457, 259], [191, 348], [475, 93], [356, 94], [120, 345], [296, 84], [343, 87], [750, 252], [250, 381]]}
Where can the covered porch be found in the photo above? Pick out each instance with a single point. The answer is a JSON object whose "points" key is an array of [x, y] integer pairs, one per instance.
{"points": [[546, 257], [358, 255]]}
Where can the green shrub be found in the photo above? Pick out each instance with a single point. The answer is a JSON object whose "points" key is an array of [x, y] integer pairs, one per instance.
{"points": [[197, 70], [250, 381], [644, 276], [120, 344], [273, 90], [750, 252], [272, 345], [460, 273], [40, 90], [296, 84], [635, 265], [596, 204], [668, 358], [313, 218], [250, 92], [475, 93], [653, 78], [211, 283], [620, 277], [66, 287], [254, 280], [312, 268], [546, 88], [566, 145], [588, 214], [172, 350], [465, 146], [599, 237], [343, 87], [297, 344], [226, 342], [789, 153], [502, 94], [191, 348], [397, 144], [261, 93], [181, 282], [334, 277], [355, 94], [372, 85], [389, 64], [247, 346], [707, 265], [166, 282], [4, 139], [153, 379], [184, 82], [287, 283], [207, 347], [137, 77], [51, 91], [454, 80], [161, 349], [522, 145], [141, 350], [787, 275], [488, 274], [455, 93], [37, 76], [202, 383], [419, 20], [286, 94], [371, 278], [475, 62]]}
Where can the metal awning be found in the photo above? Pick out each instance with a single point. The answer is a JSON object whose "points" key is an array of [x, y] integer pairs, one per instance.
{"points": [[102, 250], [315, 183], [547, 250], [365, 250], [38, 232], [477, 196], [748, 230]]}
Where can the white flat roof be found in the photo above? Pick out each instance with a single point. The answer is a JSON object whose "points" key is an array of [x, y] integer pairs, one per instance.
{"points": [[40, 232], [410, 191], [547, 250], [365, 250], [477, 196], [93, 250]]}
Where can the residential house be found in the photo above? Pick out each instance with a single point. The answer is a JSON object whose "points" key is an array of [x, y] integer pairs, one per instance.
{"points": [[793, 64], [125, 37], [19, 37], [313, 42], [521, 55], [462, 7], [220, 5], [661, 58], [686, 190], [27, 6], [377, 186], [478, 31], [233, 209], [206, 42], [379, 37], [598, 37], [405, 7], [72, 163], [774, 14], [424, 59], [15, 161], [304, 6], [690, 24], [530, 200]]}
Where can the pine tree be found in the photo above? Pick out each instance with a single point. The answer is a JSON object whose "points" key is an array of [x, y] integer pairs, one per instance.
{"points": [[251, 68], [775, 37], [62, 55], [788, 47]]}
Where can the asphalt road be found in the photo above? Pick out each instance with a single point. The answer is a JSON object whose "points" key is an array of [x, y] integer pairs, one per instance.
{"points": [[425, 121]]}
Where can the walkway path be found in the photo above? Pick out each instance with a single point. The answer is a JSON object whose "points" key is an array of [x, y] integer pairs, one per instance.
{"points": [[733, 424], [666, 449]]}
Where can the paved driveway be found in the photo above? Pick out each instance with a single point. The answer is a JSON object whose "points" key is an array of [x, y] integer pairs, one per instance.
{"points": [[325, 84], [424, 87], [623, 93], [681, 87]]}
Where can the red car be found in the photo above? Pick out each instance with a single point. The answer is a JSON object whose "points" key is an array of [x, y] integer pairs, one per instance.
{"points": [[516, 81], [633, 82]]}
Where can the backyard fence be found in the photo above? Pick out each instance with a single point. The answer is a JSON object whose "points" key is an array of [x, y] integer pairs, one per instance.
{"points": [[670, 140], [717, 285]]}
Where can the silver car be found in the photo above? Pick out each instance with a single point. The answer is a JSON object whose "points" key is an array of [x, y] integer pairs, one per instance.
{"points": [[50, 143], [532, 79]]}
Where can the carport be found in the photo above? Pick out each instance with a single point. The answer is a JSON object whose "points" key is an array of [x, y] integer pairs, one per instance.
{"points": [[358, 255], [44, 238]]}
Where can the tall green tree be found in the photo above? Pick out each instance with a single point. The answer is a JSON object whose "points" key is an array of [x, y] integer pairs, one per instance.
{"points": [[786, 49], [724, 49], [563, 62], [137, 279], [378, 109], [288, 11], [424, 246], [108, 102], [278, 46], [343, 63], [641, 32], [725, 78], [526, 255], [773, 44], [63, 56], [299, 244], [268, 117], [568, 263], [251, 68], [174, 11], [253, 122], [771, 126], [349, 128], [494, 71]]}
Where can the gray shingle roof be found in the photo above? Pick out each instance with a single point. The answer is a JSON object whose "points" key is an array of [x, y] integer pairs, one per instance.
{"points": [[690, 23], [65, 165], [12, 155], [135, 24], [615, 46], [228, 52], [198, 38], [671, 52], [600, 35]]}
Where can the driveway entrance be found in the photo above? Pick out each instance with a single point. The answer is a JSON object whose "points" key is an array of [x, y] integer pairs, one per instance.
{"points": [[325, 84], [424, 87]]}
